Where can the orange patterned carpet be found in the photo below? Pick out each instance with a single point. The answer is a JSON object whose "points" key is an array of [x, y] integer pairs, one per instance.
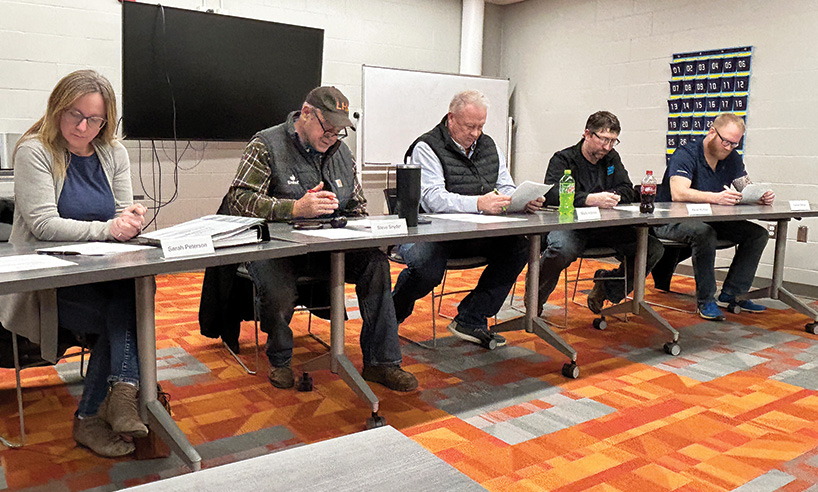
{"points": [[737, 410]]}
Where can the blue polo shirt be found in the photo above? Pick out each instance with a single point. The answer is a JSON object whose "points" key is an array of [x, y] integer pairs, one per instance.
{"points": [[689, 162]]}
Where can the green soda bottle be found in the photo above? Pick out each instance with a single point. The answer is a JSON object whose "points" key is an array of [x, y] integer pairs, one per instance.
{"points": [[567, 187]]}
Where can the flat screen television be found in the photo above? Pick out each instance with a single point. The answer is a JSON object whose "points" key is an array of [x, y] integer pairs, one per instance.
{"points": [[195, 75]]}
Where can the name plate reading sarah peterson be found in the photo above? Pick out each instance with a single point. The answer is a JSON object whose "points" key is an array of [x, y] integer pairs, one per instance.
{"points": [[189, 246], [699, 209], [799, 205], [389, 227], [588, 213]]}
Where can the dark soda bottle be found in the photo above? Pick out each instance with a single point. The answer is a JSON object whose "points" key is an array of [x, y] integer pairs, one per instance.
{"points": [[648, 193]]}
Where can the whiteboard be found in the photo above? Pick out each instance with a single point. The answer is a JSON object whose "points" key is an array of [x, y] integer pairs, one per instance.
{"points": [[401, 105]]}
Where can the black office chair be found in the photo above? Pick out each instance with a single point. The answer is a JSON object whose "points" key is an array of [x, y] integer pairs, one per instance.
{"points": [[26, 355], [391, 196], [304, 282], [675, 253]]}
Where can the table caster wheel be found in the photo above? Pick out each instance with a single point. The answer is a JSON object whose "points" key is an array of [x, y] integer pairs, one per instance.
{"points": [[570, 370], [734, 308], [600, 323], [673, 348], [812, 328], [490, 345], [375, 421], [305, 382]]}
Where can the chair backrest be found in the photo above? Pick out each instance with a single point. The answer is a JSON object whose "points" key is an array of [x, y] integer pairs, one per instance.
{"points": [[391, 196]]}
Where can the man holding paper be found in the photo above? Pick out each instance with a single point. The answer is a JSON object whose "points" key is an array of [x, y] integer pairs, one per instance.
{"points": [[702, 172], [463, 171], [302, 169], [601, 181]]}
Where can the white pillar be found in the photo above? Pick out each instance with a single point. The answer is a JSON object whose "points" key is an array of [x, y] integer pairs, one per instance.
{"points": [[471, 37]]}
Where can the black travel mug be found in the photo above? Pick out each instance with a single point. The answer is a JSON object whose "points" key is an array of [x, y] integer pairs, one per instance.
{"points": [[408, 199]]}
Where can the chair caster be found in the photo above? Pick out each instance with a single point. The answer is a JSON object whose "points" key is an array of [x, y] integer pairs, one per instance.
{"points": [[734, 308], [570, 370], [672, 348], [375, 421], [812, 328], [600, 323], [305, 382]]}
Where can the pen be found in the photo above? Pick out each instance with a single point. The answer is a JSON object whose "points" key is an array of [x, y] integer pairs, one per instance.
{"points": [[59, 253], [726, 187]]}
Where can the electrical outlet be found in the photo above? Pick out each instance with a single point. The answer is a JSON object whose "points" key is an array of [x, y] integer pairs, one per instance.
{"points": [[801, 237], [772, 229]]}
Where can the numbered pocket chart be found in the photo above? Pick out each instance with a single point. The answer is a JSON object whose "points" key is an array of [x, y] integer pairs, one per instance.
{"points": [[702, 85]]}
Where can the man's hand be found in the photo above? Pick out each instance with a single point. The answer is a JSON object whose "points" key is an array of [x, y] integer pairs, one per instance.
{"points": [[727, 197], [493, 203], [603, 199], [767, 198], [315, 203], [534, 205]]}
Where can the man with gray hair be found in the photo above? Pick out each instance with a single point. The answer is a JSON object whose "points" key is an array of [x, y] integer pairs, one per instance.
{"points": [[463, 171], [702, 172]]}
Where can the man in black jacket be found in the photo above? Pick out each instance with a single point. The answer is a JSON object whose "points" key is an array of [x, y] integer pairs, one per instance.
{"points": [[601, 181]]}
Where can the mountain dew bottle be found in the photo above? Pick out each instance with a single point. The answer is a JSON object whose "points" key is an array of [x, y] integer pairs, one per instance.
{"points": [[567, 187]]}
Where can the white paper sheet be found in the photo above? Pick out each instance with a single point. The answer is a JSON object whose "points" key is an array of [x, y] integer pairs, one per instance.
{"points": [[475, 218], [752, 193], [527, 191], [22, 263]]}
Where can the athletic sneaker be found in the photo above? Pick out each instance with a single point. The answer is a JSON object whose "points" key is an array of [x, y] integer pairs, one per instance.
{"points": [[475, 335], [746, 305], [709, 310]]}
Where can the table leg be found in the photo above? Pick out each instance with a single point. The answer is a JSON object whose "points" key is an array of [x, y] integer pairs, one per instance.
{"points": [[637, 305], [775, 289], [336, 361], [152, 412], [531, 322]]}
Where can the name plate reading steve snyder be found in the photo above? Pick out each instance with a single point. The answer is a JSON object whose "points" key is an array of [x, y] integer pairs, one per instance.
{"points": [[389, 227], [189, 246], [799, 205]]}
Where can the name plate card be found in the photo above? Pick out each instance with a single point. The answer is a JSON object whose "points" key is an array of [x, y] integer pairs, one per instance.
{"points": [[389, 227], [699, 209], [799, 205], [189, 246], [587, 213]]}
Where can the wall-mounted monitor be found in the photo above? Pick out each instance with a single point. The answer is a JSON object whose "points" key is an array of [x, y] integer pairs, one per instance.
{"points": [[195, 75]]}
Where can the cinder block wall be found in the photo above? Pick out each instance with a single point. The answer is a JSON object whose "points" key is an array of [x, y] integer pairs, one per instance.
{"points": [[569, 58]]}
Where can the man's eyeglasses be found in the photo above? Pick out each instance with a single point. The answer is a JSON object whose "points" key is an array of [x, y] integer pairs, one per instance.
{"points": [[613, 142], [75, 118], [340, 135], [727, 144]]}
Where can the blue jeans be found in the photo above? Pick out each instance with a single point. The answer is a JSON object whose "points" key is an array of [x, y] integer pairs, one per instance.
{"points": [[702, 236], [561, 248], [277, 294], [426, 264], [107, 310]]}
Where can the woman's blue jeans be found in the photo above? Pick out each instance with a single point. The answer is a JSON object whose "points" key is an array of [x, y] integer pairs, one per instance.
{"points": [[107, 310]]}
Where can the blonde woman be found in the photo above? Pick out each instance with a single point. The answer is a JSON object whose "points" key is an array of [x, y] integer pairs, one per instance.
{"points": [[72, 183]]}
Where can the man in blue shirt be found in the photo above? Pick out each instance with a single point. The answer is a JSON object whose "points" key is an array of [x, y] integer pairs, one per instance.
{"points": [[702, 172], [463, 171]]}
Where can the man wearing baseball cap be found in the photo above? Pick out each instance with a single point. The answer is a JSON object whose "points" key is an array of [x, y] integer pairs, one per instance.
{"points": [[302, 169]]}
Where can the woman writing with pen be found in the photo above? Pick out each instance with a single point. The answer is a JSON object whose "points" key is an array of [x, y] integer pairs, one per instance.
{"points": [[72, 183]]}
